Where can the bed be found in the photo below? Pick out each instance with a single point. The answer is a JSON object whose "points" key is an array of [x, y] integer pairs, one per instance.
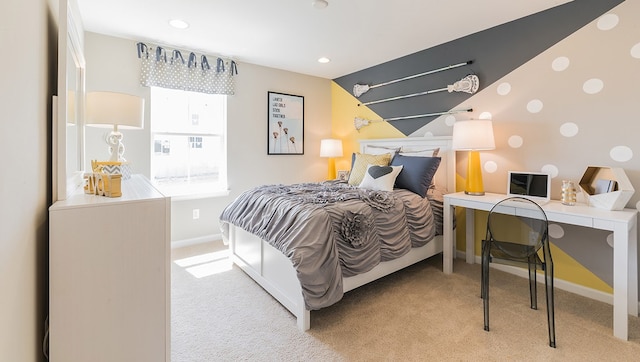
{"points": [[302, 284]]}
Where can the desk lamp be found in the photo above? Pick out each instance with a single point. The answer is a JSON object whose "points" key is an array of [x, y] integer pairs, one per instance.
{"points": [[473, 136], [118, 110], [331, 148]]}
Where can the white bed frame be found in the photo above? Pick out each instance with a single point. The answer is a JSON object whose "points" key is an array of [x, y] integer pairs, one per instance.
{"points": [[275, 272]]}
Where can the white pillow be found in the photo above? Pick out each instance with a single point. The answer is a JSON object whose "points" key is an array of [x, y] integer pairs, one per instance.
{"points": [[379, 150], [419, 151], [380, 178]]}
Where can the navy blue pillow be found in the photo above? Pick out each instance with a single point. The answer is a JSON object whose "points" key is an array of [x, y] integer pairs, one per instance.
{"points": [[417, 173]]}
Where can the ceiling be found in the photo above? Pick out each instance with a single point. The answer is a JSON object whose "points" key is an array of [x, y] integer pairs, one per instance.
{"points": [[292, 34]]}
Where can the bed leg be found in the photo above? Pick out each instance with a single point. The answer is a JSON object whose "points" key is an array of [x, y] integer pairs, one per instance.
{"points": [[304, 320]]}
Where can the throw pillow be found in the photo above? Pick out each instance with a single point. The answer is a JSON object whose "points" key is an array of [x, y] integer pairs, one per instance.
{"points": [[380, 178], [417, 174], [359, 163]]}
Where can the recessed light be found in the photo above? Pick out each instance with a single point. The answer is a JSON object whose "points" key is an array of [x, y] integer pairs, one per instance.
{"points": [[324, 60], [178, 24], [320, 4]]}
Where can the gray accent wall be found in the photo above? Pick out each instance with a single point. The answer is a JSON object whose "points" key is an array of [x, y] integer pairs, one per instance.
{"points": [[495, 52]]}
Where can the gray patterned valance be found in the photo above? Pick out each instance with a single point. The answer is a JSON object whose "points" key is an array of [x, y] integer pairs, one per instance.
{"points": [[161, 67]]}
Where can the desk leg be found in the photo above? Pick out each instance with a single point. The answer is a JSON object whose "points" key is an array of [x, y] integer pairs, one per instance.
{"points": [[621, 286], [470, 238], [633, 270], [447, 243]]}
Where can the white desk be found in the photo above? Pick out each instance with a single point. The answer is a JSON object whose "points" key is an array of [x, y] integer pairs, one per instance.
{"points": [[622, 223]]}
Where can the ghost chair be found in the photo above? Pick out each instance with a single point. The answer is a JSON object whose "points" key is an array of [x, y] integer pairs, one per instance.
{"points": [[518, 234]]}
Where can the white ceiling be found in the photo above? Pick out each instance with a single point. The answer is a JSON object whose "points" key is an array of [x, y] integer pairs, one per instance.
{"points": [[292, 34]]}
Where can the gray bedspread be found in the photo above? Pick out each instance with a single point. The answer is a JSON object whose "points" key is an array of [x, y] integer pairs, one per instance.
{"points": [[331, 229]]}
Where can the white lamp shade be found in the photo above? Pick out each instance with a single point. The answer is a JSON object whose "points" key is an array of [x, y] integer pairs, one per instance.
{"points": [[473, 135], [330, 148], [115, 109]]}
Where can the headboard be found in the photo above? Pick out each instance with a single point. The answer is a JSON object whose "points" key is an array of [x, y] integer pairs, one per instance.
{"points": [[446, 174]]}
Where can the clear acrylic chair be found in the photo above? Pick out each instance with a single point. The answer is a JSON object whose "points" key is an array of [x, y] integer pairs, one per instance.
{"points": [[517, 234]]}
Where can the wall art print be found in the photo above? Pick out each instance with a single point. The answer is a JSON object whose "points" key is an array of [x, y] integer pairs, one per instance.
{"points": [[285, 124]]}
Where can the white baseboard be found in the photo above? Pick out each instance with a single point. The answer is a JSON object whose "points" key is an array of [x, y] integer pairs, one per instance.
{"points": [[195, 241], [558, 283]]}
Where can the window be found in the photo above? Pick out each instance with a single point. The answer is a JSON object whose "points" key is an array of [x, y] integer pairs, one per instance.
{"points": [[188, 154]]}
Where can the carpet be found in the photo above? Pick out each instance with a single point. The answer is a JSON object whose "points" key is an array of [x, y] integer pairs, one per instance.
{"points": [[416, 314]]}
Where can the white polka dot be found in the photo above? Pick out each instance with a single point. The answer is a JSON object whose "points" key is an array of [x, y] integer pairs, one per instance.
{"points": [[534, 106], [621, 153], [593, 86], [556, 231], [550, 169], [515, 141], [428, 134], [504, 89], [450, 120], [635, 51], [608, 21], [491, 166], [569, 129], [610, 240], [485, 115], [560, 63]]}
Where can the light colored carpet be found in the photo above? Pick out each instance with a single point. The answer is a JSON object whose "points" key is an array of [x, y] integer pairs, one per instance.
{"points": [[416, 314]]}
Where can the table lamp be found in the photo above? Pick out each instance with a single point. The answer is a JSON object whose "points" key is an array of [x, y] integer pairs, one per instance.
{"points": [[331, 148], [473, 136], [118, 110]]}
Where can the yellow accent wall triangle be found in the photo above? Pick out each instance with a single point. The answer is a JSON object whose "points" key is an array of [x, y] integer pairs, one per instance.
{"points": [[344, 109]]}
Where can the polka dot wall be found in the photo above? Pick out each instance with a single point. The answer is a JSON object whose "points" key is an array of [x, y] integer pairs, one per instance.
{"points": [[561, 88], [571, 107]]}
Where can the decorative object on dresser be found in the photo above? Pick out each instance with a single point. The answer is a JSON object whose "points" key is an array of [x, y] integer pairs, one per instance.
{"points": [[118, 110], [285, 124], [332, 237], [606, 188], [331, 148], [105, 180], [473, 136]]}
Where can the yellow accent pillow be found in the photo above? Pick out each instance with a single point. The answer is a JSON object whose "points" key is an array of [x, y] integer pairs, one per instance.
{"points": [[360, 162]]}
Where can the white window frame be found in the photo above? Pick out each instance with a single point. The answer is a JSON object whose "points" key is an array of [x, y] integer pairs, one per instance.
{"points": [[191, 190]]}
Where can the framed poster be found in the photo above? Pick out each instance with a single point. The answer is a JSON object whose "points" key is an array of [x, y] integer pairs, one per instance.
{"points": [[285, 124]]}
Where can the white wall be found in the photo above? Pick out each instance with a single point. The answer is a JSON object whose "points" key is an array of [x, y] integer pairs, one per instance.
{"points": [[112, 65], [27, 71]]}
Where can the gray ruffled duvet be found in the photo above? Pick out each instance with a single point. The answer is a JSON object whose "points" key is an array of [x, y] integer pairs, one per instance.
{"points": [[331, 229]]}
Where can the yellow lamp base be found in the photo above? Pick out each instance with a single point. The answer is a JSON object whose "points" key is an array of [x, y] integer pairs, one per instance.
{"points": [[331, 173], [474, 184]]}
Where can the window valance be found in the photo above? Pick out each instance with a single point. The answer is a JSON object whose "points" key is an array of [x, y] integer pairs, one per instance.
{"points": [[161, 67]]}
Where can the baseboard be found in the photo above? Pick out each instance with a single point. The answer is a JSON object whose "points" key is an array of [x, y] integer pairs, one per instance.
{"points": [[558, 283], [195, 241]]}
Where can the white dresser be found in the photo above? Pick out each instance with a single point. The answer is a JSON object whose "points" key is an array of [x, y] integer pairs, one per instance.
{"points": [[109, 275]]}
